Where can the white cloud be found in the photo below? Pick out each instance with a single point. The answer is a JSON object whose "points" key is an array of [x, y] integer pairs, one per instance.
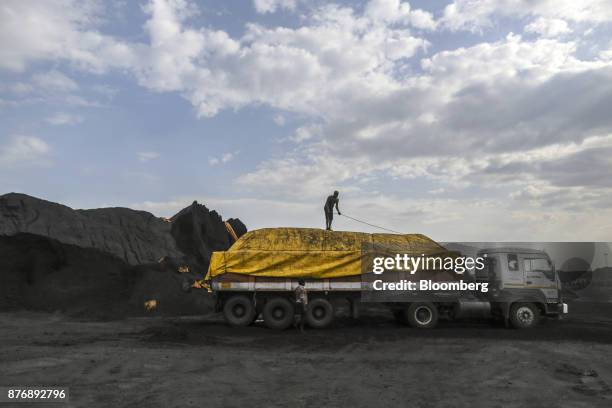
{"points": [[54, 81], [147, 156], [63, 118], [395, 11], [34, 31], [472, 124], [55, 88], [548, 27], [476, 15], [279, 120], [20, 151], [304, 176], [285, 68], [271, 6], [21, 88], [292, 69], [449, 123], [224, 158], [304, 133]]}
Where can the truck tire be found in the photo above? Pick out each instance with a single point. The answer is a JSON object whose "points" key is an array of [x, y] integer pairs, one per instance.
{"points": [[422, 315], [278, 313], [524, 315], [239, 310], [320, 313]]}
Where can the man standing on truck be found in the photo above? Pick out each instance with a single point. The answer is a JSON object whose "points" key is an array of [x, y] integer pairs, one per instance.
{"points": [[329, 209], [301, 301]]}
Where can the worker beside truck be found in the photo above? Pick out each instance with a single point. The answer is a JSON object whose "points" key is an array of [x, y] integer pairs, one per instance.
{"points": [[262, 275], [301, 302]]}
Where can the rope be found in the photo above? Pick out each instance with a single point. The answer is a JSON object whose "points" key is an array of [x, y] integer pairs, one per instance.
{"points": [[371, 225]]}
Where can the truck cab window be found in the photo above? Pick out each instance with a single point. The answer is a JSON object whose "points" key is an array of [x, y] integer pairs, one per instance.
{"points": [[542, 265], [513, 263]]}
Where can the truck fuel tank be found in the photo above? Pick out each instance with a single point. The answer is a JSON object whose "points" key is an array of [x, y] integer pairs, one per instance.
{"points": [[472, 308]]}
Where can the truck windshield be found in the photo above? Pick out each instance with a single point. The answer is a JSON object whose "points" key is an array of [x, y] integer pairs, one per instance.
{"points": [[542, 265]]}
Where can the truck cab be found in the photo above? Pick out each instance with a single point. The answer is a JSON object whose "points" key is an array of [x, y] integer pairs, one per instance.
{"points": [[524, 285]]}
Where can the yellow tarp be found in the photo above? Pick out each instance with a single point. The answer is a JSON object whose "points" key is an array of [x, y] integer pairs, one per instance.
{"points": [[309, 252]]}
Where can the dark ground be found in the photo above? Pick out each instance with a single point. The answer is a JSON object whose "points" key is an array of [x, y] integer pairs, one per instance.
{"points": [[372, 362]]}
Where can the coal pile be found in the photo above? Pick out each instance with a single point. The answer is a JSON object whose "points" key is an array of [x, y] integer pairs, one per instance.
{"points": [[198, 232], [106, 262]]}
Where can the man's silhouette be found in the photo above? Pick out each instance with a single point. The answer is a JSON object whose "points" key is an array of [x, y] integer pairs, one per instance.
{"points": [[331, 201]]}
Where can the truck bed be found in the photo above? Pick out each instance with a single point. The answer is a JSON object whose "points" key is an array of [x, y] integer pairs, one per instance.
{"points": [[239, 282]]}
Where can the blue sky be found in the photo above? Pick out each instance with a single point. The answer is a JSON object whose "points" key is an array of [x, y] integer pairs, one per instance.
{"points": [[463, 120]]}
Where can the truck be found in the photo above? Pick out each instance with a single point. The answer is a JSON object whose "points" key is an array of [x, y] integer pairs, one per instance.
{"points": [[257, 277]]}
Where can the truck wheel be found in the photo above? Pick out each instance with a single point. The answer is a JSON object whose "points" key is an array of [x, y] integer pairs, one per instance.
{"points": [[422, 315], [524, 315], [278, 313], [239, 310], [320, 313]]}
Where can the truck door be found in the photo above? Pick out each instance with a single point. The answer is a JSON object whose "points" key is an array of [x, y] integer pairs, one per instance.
{"points": [[513, 275], [539, 274]]}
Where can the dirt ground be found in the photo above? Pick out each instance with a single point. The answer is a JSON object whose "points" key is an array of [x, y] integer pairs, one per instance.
{"points": [[372, 362]]}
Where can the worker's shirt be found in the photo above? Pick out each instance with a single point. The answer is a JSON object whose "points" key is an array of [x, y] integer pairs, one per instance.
{"points": [[300, 295], [330, 202]]}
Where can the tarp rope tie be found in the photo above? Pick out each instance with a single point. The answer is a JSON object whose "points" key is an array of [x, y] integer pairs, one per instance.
{"points": [[371, 225]]}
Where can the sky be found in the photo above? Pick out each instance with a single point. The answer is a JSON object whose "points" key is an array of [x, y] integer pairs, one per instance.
{"points": [[464, 120]]}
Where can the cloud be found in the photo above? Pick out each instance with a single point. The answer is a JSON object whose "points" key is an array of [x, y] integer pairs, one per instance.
{"points": [[54, 81], [352, 87], [304, 133], [20, 88], [224, 158], [566, 171], [292, 69], [280, 120], [450, 121], [469, 104], [548, 27], [281, 67], [147, 156], [62, 118], [295, 175], [395, 11], [271, 6], [51, 87], [23, 151], [479, 15], [33, 31]]}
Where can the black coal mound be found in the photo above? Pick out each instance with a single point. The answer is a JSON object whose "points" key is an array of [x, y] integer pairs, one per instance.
{"points": [[198, 232], [105, 262]]}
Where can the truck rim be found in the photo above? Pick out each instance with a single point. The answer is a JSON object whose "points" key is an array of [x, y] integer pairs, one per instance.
{"points": [[278, 313], [239, 310], [525, 315], [423, 315], [318, 312]]}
